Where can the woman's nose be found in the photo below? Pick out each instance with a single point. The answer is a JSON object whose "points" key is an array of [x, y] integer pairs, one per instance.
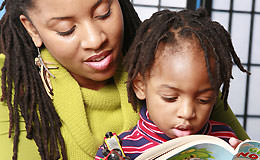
{"points": [[93, 36], [187, 110]]}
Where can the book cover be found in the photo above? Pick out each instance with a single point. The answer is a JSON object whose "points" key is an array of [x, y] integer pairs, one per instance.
{"points": [[248, 150]]}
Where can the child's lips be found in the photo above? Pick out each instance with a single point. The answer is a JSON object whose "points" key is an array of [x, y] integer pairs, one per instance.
{"points": [[182, 130]]}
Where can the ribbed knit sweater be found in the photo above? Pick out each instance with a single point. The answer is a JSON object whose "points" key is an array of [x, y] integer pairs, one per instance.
{"points": [[86, 115]]}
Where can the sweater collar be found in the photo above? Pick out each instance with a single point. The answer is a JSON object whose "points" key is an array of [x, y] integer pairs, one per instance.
{"points": [[148, 128], [106, 98], [69, 105]]}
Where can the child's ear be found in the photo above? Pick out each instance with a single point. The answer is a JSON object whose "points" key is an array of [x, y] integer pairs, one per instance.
{"points": [[31, 30], [139, 87]]}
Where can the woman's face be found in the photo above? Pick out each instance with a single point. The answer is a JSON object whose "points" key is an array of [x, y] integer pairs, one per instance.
{"points": [[85, 36]]}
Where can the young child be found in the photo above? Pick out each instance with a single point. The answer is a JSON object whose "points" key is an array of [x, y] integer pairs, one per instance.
{"points": [[176, 65]]}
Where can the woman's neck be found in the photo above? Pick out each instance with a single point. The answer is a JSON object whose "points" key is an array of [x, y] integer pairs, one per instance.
{"points": [[91, 84]]}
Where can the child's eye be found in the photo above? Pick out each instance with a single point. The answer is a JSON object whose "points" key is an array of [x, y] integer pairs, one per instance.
{"points": [[169, 99], [66, 33], [205, 101]]}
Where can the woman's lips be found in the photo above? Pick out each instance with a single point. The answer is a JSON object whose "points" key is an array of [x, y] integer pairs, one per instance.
{"points": [[99, 62]]}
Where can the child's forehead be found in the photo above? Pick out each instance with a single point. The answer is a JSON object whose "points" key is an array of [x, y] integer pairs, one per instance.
{"points": [[180, 44], [188, 55]]}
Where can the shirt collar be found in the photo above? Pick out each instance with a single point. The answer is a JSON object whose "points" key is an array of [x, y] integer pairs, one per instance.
{"points": [[148, 128]]}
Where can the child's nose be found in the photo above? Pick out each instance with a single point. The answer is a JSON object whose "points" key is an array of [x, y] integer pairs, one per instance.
{"points": [[187, 110]]}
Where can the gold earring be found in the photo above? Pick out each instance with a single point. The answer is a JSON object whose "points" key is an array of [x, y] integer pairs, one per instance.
{"points": [[45, 73]]}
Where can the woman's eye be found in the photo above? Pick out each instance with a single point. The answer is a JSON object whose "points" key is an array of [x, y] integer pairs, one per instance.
{"points": [[169, 99], [66, 33], [107, 14], [103, 10]]}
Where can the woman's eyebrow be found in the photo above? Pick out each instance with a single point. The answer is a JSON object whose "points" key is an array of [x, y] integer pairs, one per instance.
{"points": [[62, 18], [98, 2], [54, 20]]}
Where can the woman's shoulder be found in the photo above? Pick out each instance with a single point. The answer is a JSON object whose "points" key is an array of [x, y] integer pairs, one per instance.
{"points": [[2, 59], [27, 148], [2, 56]]}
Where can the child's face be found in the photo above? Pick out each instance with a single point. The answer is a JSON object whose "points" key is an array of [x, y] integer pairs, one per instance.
{"points": [[178, 93]]}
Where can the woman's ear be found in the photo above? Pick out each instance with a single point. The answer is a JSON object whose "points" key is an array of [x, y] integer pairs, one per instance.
{"points": [[31, 30], [139, 87]]}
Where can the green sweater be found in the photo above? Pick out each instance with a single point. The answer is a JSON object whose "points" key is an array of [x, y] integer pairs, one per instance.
{"points": [[86, 115], [83, 128]]}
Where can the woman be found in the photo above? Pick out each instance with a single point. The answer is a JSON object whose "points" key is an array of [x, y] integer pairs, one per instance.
{"points": [[80, 93]]}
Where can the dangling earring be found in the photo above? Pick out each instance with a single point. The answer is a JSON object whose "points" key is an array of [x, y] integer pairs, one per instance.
{"points": [[45, 73]]}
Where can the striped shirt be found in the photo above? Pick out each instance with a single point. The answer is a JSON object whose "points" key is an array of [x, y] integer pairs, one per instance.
{"points": [[146, 135]]}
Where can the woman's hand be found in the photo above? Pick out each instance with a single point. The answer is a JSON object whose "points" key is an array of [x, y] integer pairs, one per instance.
{"points": [[234, 142]]}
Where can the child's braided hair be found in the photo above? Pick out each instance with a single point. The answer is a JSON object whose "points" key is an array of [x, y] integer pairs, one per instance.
{"points": [[169, 26]]}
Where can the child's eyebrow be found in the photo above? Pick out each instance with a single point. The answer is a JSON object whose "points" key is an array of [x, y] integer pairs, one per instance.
{"points": [[206, 90], [177, 89], [170, 87]]}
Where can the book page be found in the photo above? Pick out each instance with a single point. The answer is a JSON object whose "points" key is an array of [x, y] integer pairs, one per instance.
{"points": [[154, 152], [205, 151], [203, 145]]}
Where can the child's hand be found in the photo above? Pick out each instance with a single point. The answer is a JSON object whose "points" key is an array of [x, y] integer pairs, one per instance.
{"points": [[234, 142]]}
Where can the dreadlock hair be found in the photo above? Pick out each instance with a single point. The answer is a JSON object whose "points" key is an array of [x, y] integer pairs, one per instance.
{"points": [[168, 27], [22, 88]]}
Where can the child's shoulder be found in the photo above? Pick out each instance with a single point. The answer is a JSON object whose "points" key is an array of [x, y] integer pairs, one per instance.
{"points": [[220, 129], [216, 123], [130, 134]]}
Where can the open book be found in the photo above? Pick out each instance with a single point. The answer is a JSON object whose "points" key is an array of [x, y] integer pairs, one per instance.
{"points": [[202, 147]]}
